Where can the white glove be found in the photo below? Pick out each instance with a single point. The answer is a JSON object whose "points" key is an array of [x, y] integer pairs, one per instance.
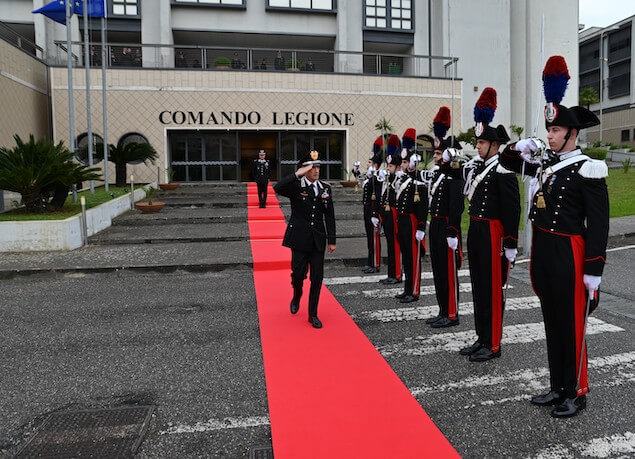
{"points": [[453, 242], [526, 146], [374, 221], [419, 235], [413, 163], [510, 254], [592, 283], [369, 172], [382, 174], [399, 173], [446, 156], [356, 164]]}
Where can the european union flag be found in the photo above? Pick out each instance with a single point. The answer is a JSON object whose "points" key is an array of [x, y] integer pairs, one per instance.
{"points": [[56, 10]]}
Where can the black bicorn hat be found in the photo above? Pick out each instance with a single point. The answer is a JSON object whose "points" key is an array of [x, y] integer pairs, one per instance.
{"points": [[311, 158], [449, 142], [484, 111], [376, 156], [393, 149], [555, 78]]}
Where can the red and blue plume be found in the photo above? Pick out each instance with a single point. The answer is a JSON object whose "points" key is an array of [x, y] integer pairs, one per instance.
{"points": [[485, 106], [555, 78], [409, 137], [441, 122], [394, 145], [379, 142]]}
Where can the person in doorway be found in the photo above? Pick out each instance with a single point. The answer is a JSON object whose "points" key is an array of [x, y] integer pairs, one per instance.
{"points": [[311, 229], [260, 173]]}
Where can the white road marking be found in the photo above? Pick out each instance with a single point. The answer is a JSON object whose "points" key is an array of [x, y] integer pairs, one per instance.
{"points": [[376, 278], [217, 424], [626, 247], [424, 312], [464, 287], [451, 342], [618, 445]]}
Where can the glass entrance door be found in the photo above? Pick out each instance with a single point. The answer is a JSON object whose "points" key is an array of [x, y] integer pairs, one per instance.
{"points": [[200, 156]]}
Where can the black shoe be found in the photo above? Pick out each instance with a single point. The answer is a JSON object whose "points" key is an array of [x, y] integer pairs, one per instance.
{"points": [[370, 269], [444, 322], [409, 299], [315, 322], [389, 281], [294, 307], [400, 296], [432, 320], [471, 349], [551, 398], [569, 407], [483, 355]]}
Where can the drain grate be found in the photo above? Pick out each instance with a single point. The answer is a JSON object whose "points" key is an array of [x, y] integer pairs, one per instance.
{"points": [[261, 452], [105, 433]]}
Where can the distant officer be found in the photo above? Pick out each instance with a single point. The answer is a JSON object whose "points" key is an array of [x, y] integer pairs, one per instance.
{"points": [[570, 221], [311, 226], [446, 207], [492, 238], [371, 189], [411, 204], [260, 173], [388, 212]]}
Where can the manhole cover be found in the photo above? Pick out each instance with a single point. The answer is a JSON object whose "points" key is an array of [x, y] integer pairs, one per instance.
{"points": [[261, 452], [106, 433]]}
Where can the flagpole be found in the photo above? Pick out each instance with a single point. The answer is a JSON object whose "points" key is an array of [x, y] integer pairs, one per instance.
{"points": [[103, 95], [71, 101], [88, 113]]}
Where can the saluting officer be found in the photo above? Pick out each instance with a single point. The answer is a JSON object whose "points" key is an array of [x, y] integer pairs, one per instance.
{"points": [[388, 212], [492, 237], [570, 222], [260, 173], [310, 230], [370, 201], [411, 205], [446, 207]]}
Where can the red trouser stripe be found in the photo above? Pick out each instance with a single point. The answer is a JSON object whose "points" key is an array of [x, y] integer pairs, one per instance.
{"points": [[395, 227], [416, 255], [452, 306], [377, 242], [496, 238], [579, 304]]}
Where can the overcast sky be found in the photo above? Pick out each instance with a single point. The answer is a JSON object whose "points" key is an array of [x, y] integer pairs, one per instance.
{"points": [[602, 13]]}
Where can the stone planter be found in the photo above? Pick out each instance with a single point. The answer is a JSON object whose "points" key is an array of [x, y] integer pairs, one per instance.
{"points": [[150, 207], [349, 183], [169, 186]]}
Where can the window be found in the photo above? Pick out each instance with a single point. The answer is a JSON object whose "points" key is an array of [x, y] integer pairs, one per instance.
{"points": [[619, 83], [626, 135], [322, 5], [619, 45], [202, 157], [213, 2], [388, 14], [125, 7], [589, 56]]}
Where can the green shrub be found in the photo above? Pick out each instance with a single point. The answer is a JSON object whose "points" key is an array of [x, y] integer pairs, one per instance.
{"points": [[222, 61], [294, 64], [632, 150], [595, 153], [626, 165], [597, 144], [625, 145]]}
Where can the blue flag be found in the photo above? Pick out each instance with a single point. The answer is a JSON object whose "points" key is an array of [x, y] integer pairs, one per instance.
{"points": [[56, 10]]}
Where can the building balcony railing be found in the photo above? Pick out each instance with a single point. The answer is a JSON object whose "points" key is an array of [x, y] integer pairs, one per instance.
{"points": [[150, 56], [12, 36]]}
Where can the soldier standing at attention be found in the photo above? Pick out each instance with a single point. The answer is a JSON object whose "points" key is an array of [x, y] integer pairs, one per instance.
{"points": [[570, 222], [260, 173], [311, 229], [493, 234], [371, 188]]}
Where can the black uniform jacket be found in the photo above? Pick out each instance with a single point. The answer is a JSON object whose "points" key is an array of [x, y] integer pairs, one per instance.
{"points": [[447, 200], [312, 221], [371, 194], [576, 200], [387, 192], [260, 170], [406, 190]]}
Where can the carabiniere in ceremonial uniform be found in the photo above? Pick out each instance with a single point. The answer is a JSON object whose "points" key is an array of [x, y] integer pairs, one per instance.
{"points": [[260, 173], [371, 188]]}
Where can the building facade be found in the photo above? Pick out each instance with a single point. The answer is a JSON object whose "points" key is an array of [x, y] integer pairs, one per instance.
{"points": [[607, 66], [209, 82]]}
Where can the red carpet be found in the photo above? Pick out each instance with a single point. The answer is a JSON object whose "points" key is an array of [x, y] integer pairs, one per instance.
{"points": [[331, 394]]}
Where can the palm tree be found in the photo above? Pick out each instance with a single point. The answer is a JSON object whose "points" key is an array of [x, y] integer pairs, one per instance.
{"points": [[384, 127], [588, 96], [121, 155]]}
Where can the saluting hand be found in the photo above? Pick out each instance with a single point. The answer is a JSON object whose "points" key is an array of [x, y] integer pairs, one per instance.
{"points": [[330, 248], [303, 170]]}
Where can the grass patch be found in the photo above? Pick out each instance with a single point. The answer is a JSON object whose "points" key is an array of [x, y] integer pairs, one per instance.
{"points": [[69, 208], [621, 186]]}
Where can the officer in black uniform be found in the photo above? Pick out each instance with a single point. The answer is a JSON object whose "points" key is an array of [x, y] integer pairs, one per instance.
{"points": [[388, 212], [446, 207], [570, 223], [411, 205], [371, 189], [311, 227], [492, 238], [260, 173]]}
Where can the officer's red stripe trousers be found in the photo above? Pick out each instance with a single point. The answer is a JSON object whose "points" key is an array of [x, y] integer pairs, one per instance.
{"points": [[416, 257], [395, 226], [580, 299], [496, 235], [453, 286], [377, 246]]}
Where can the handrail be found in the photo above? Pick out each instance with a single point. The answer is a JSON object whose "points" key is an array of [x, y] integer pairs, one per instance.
{"points": [[21, 38]]}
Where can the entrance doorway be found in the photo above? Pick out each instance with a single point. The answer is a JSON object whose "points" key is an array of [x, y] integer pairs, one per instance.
{"points": [[250, 143]]}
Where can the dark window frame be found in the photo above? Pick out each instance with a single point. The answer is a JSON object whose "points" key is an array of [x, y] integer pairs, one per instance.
{"points": [[112, 15], [628, 135], [613, 93], [389, 27], [291, 9], [196, 4]]}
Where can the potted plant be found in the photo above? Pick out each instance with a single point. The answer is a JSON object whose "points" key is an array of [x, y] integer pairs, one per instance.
{"points": [[350, 182], [294, 65], [150, 207], [170, 185], [222, 63]]}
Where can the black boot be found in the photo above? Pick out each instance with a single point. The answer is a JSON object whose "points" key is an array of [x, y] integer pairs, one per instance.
{"points": [[389, 281], [399, 296], [551, 398], [295, 302], [471, 349], [315, 322], [432, 320], [409, 299], [370, 269], [569, 407], [444, 322], [483, 355]]}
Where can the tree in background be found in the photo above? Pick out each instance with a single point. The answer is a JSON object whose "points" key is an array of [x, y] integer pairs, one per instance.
{"points": [[588, 96]]}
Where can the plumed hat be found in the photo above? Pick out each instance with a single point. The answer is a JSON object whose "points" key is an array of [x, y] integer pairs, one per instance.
{"points": [[392, 150], [484, 111], [376, 156]]}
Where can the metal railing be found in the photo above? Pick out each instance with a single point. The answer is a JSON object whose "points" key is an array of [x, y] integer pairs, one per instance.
{"points": [[130, 55], [14, 37]]}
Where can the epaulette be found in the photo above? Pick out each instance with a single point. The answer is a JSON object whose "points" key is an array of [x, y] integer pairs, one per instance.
{"points": [[594, 169], [502, 170]]}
